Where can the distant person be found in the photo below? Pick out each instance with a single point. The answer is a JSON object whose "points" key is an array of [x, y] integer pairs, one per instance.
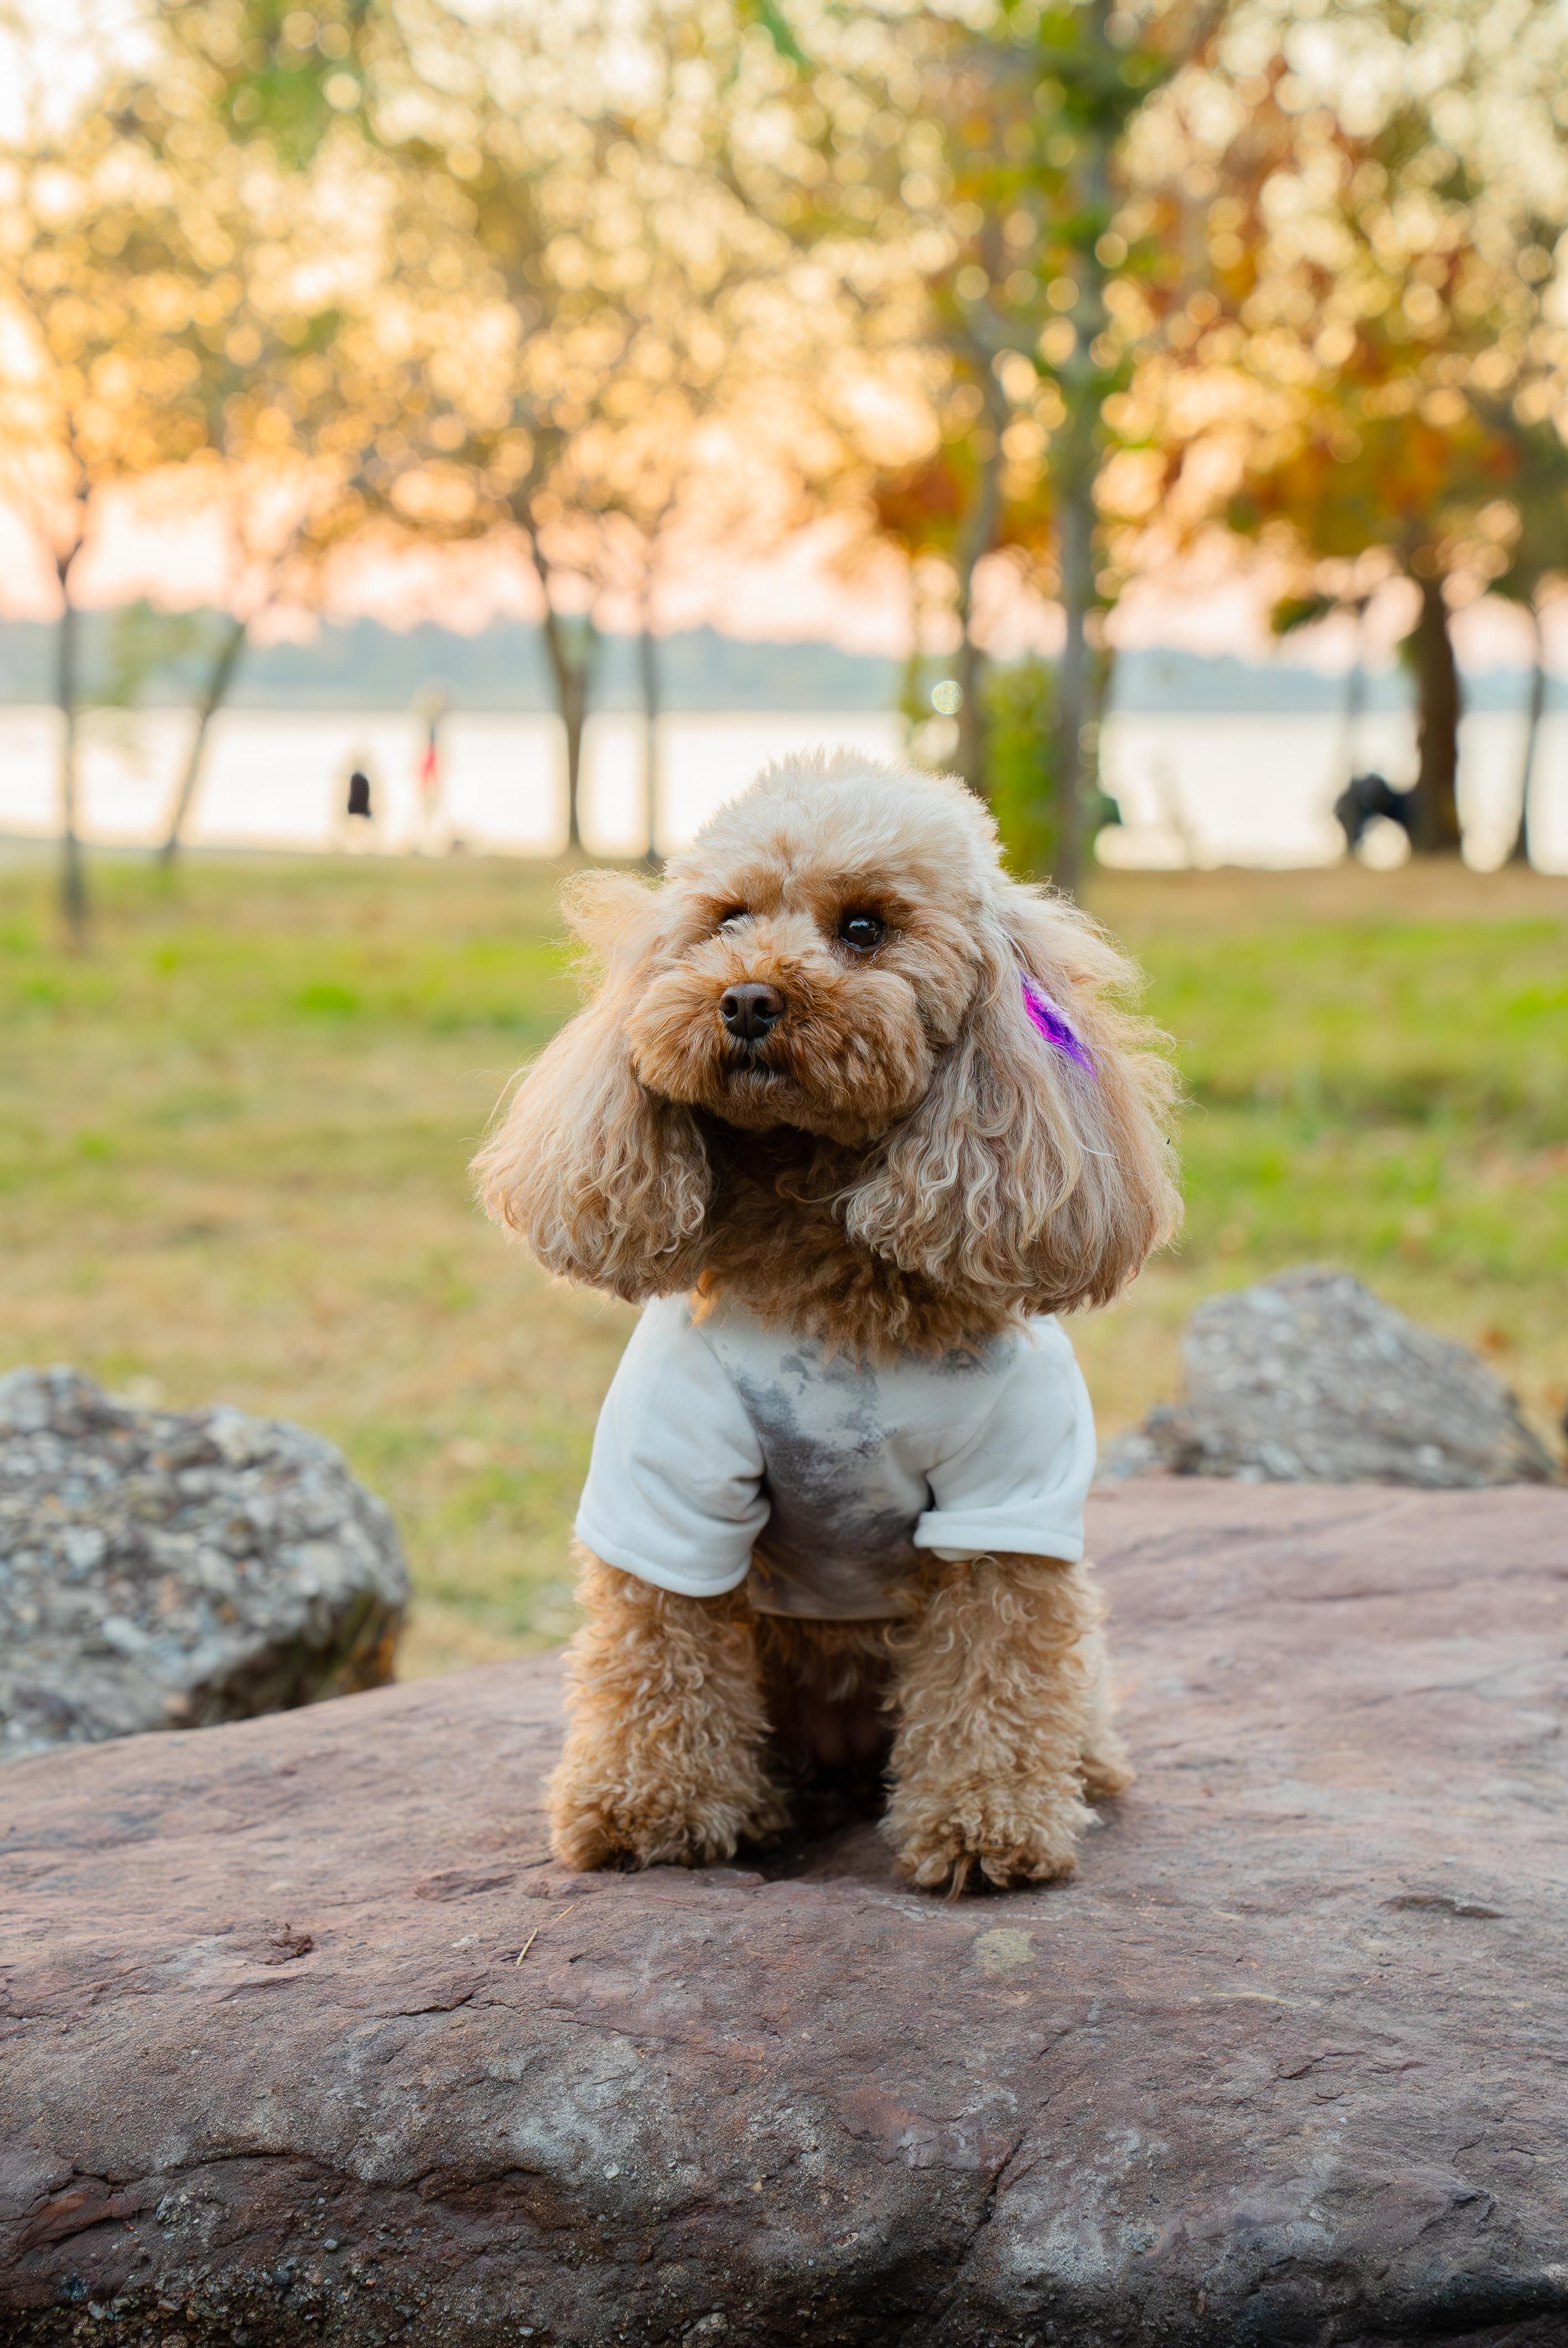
{"points": [[431, 708], [1366, 798], [359, 813]]}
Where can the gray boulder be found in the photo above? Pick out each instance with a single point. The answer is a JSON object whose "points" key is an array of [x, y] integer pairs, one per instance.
{"points": [[1309, 1378], [169, 1569]]}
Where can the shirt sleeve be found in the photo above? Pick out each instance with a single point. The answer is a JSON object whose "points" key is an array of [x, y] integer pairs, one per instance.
{"points": [[1021, 1482], [675, 1491]]}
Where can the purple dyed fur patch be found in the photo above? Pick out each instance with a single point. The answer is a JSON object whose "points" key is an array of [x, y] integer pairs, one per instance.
{"points": [[1052, 1024]]}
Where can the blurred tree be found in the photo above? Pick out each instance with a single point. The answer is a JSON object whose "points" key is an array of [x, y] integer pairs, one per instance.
{"points": [[987, 151], [1421, 486], [94, 392], [510, 153], [308, 321], [207, 275], [598, 270], [689, 444], [1371, 272], [944, 515]]}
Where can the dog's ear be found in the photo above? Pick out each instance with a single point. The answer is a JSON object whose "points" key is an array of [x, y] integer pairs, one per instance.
{"points": [[1037, 1169], [608, 1183]]}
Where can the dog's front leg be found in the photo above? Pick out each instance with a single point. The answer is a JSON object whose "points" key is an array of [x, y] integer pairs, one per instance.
{"points": [[997, 1698], [664, 1752]]}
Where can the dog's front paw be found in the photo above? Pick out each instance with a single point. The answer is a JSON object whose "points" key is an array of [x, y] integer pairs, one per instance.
{"points": [[593, 1828], [1027, 1837]]}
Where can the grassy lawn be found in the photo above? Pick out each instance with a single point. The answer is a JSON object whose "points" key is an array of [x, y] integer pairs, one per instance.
{"points": [[233, 1137]]}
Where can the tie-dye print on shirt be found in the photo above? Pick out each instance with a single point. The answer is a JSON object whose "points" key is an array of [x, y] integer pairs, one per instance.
{"points": [[731, 1449]]}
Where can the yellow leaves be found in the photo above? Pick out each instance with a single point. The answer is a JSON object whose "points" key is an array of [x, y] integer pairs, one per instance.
{"points": [[1058, 342], [271, 428], [569, 261], [1132, 482], [512, 460], [1396, 397], [1499, 521], [55, 196], [113, 377], [163, 305], [1444, 407], [1017, 375], [448, 269], [41, 271], [1023, 442], [216, 299], [1423, 305], [211, 248]]}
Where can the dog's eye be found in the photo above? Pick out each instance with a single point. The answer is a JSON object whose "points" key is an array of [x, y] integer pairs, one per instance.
{"points": [[864, 931], [735, 914]]}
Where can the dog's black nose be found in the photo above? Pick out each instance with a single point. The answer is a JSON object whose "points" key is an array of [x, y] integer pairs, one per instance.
{"points": [[752, 1012]]}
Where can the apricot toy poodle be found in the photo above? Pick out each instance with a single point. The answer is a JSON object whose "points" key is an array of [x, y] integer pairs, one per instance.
{"points": [[853, 1116]]}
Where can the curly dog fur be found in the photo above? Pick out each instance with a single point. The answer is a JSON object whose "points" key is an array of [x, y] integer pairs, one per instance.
{"points": [[901, 1168]]}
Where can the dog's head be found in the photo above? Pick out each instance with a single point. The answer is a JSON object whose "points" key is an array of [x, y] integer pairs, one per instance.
{"points": [[840, 951]]}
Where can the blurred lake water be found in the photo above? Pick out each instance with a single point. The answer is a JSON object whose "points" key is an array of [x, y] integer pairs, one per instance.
{"points": [[1201, 788]]}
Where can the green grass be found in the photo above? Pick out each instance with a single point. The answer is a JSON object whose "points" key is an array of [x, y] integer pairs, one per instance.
{"points": [[233, 1139]]}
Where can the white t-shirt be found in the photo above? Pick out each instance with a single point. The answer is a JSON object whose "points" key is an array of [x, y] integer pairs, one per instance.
{"points": [[730, 1447]]}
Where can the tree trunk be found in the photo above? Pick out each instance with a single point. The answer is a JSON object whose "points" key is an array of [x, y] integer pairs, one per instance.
{"points": [[73, 874], [1437, 829], [1084, 384], [1355, 699], [219, 678], [1077, 556], [648, 669], [1519, 852], [571, 682], [976, 541]]}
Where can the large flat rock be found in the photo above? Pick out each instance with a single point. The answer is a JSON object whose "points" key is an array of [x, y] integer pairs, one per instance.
{"points": [[1287, 2063]]}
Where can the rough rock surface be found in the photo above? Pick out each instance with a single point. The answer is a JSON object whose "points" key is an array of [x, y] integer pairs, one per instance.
{"points": [[163, 1569], [1309, 1378], [308, 2039]]}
